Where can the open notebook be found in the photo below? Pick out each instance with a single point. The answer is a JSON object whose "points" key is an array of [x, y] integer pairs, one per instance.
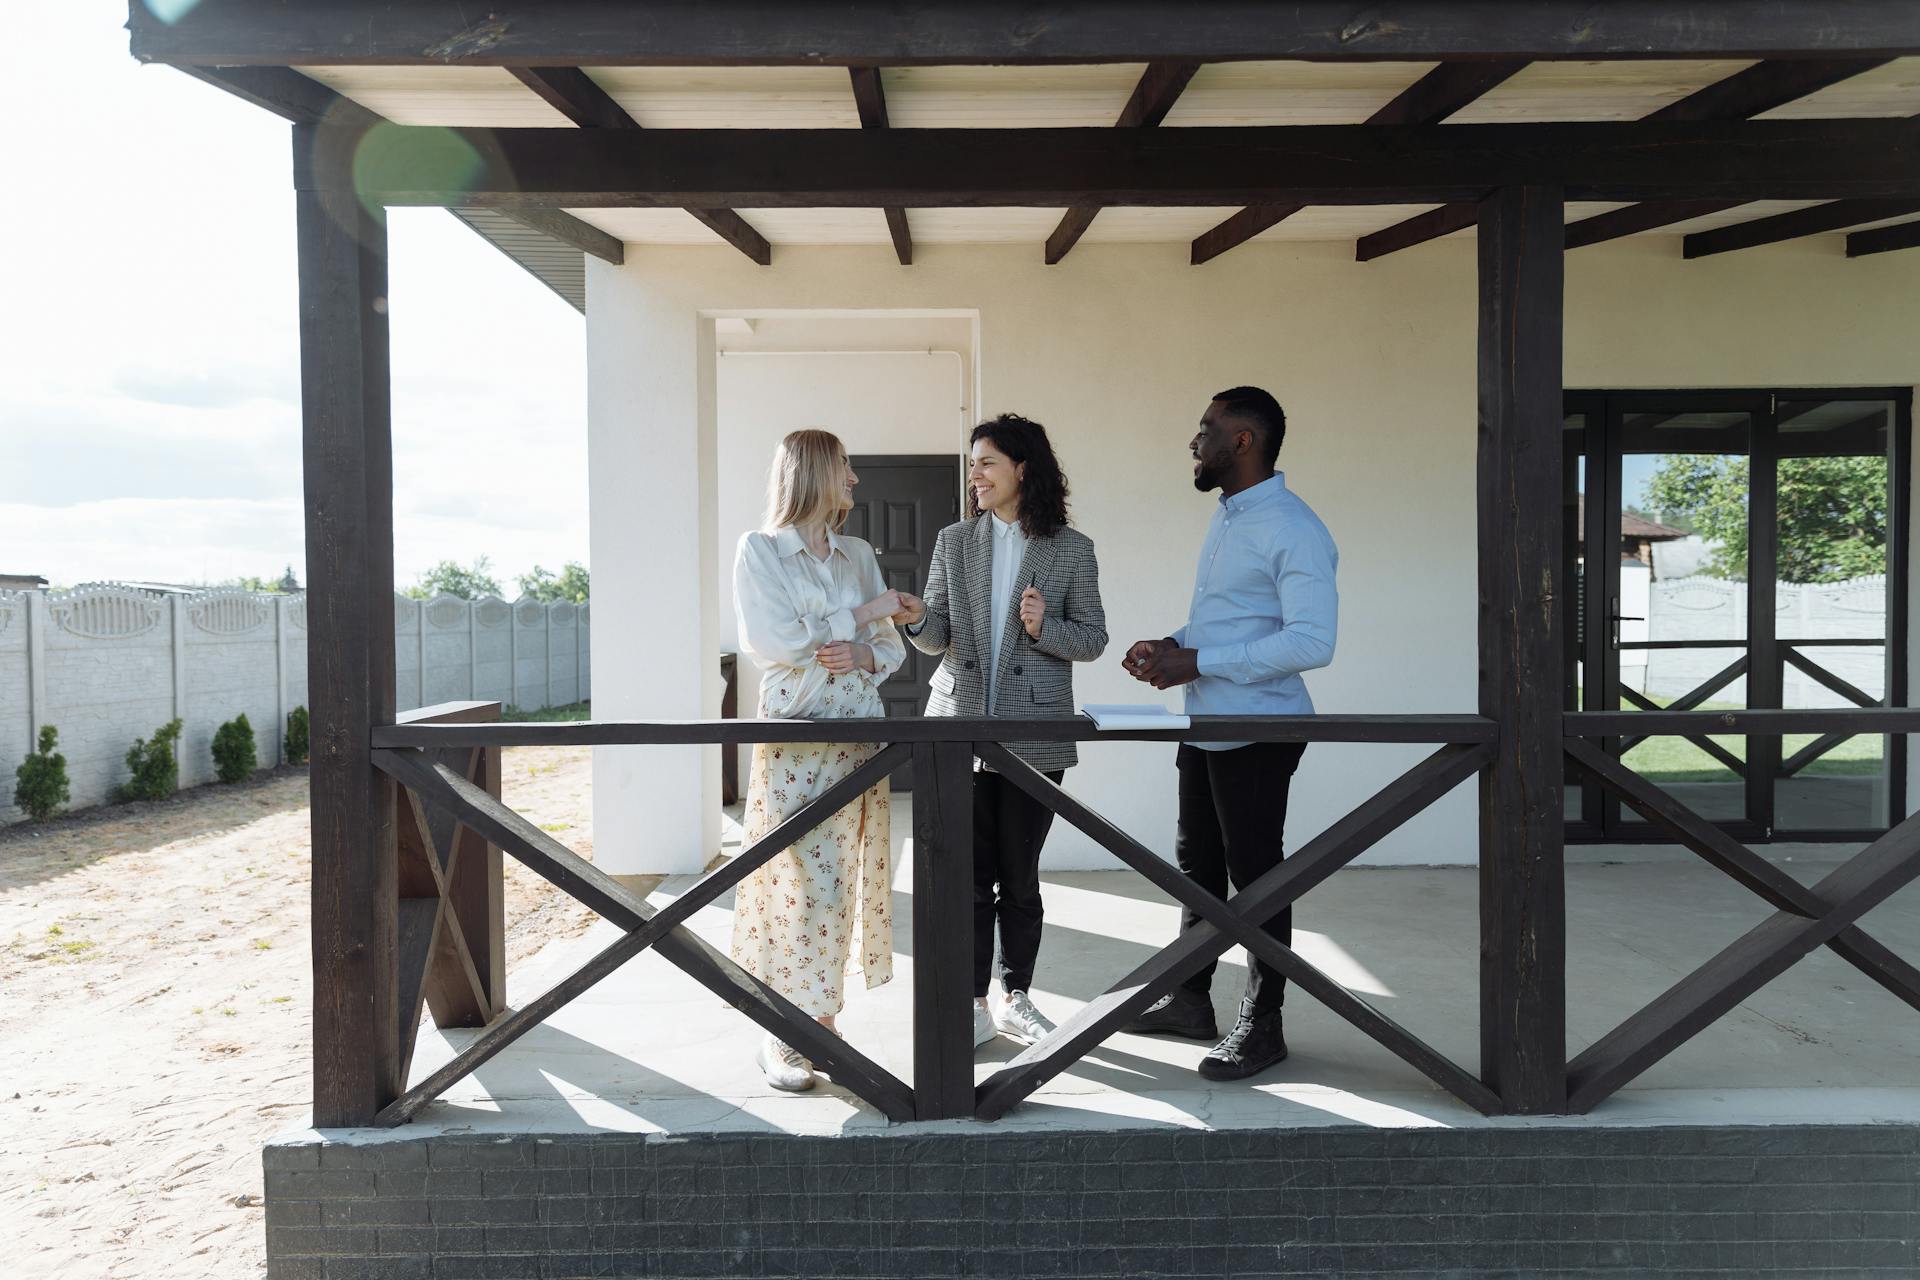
{"points": [[1133, 715]]}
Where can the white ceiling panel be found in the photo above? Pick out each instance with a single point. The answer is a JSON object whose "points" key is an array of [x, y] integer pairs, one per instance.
{"points": [[822, 226], [1135, 224], [1592, 90], [982, 226], [1070, 97], [484, 97], [732, 97], [1340, 222], [1890, 90], [1225, 94], [649, 226]]}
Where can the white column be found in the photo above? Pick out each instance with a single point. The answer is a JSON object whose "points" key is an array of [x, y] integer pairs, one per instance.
{"points": [[652, 494], [38, 621], [473, 653], [420, 651], [513, 654], [546, 686], [191, 770]]}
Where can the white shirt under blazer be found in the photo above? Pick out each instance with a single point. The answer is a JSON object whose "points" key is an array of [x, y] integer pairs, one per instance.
{"points": [[1034, 677]]}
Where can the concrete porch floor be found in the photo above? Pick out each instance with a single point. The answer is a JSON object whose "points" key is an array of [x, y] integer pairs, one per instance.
{"points": [[650, 1051]]}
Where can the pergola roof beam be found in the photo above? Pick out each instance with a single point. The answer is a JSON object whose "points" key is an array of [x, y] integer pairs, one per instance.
{"points": [[1160, 85], [1761, 87], [695, 32], [1429, 100], [1901, 235], [1758, 88], [1320, 164], [575, 95], [1835, 216], [870, 99]]}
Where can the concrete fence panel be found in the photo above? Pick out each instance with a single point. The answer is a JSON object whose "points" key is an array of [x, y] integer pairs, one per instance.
{"points": [[108, 663]]}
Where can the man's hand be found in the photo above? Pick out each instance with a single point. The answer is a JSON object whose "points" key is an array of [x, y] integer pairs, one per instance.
{"points": [[1033, 611], [843, 656], [884, 605], [912, 609], [1161, 663]]}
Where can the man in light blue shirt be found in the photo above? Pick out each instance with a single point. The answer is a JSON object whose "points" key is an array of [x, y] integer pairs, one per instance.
{"points": [[1264, 610]]}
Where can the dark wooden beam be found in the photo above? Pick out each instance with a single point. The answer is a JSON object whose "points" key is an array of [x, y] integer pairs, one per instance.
{"points": [[1773, 723], [942, 935], [1761, 87], [575, 95], [1331, 164], [348, 469], [303, 100], [1523, 981], [870, 98], [691, 32], [1331, 727], [1835, 216], [1159, 86], [1429, 100], [1757, 88], [1901, 235]]}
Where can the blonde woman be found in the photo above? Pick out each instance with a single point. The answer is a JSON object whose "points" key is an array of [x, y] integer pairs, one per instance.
{"points": [[817, 620]]}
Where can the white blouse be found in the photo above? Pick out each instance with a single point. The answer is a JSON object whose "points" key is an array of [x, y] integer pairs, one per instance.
{"points": [[789, 604]]}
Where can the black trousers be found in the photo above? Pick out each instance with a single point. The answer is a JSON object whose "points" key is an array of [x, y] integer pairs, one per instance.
{"points": [[1009, 826], [1233, 816]]}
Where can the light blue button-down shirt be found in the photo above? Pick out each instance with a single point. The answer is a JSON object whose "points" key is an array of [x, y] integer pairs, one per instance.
{"points": [[1264, 607]]}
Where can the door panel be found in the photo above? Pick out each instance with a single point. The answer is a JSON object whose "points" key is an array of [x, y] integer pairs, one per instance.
{"points": [[900, 505]]}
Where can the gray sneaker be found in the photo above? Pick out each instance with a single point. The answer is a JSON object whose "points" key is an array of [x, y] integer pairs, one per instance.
{"points": [[1017, 1019], [785, 1069]]}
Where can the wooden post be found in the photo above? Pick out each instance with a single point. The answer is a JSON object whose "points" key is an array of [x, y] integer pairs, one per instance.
{"points": [[348, 461], [942, 930], [1522, 882]]}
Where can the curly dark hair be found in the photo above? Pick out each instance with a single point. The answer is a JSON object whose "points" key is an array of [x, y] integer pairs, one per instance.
{"points": [[1043, 486]]}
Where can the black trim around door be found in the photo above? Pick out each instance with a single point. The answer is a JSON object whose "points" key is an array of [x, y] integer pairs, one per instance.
{"points": [[1592, 612]]}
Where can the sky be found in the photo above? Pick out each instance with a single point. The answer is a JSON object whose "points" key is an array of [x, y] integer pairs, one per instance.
{"points": [[149, 350]]}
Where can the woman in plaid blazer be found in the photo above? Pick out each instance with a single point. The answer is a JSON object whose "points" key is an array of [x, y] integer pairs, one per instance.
{"points": [[1012, 602]]}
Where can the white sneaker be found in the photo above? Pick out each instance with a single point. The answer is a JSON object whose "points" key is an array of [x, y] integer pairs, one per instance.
{"points": [[784, 1067], [982, 1025], [1016, 1017]]}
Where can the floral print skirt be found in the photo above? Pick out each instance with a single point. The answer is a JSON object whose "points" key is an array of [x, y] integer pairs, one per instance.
{"points": [[822, 908]]}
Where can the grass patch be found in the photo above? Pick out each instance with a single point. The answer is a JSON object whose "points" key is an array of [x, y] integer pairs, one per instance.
{"points": [[1667, 759], [548, 715]]}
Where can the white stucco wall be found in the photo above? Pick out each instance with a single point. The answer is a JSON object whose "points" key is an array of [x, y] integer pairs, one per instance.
{"points": [[1117, 350]]}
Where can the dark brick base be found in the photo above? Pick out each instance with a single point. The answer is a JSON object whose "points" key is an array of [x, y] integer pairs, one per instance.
{"points": [[1790, 1201]]}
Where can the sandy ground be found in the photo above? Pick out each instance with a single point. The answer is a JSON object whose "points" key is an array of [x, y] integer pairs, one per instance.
{"points": [[155, 1004]]}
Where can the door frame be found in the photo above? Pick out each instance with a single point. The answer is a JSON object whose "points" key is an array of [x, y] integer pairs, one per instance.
{"points": [[1601, 820]]}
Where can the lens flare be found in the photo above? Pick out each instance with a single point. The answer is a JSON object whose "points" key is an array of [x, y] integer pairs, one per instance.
{"points": [[404, 163]]}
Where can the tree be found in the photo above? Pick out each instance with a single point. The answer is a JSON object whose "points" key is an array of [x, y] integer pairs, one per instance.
{"points": [[572, 585], [1832, 513], [451, 579]]}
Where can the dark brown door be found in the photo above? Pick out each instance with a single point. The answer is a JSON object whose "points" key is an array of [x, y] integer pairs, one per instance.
{"points": [[900, 506]]}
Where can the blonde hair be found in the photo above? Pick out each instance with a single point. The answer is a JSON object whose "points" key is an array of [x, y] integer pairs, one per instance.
{"points": [[804, 483]]}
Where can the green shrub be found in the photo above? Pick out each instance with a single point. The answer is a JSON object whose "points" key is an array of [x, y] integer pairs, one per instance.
{"points": [[40, 783], [154, 766], [296, 743], [233, 753]]}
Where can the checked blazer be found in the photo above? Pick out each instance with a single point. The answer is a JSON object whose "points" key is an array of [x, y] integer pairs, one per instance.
{"points": [[1036, 676]]}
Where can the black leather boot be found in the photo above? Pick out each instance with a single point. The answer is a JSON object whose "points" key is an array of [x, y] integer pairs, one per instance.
{"points": [[1181, 1014], [1254, 1044]]}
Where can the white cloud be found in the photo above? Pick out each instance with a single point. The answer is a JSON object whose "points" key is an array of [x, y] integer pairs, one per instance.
{"points": [[149, 349]]}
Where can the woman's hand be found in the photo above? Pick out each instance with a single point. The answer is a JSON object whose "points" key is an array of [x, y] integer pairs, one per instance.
{"points": [[884, 605], [912, 609], [1033, 611], [844, 656]]}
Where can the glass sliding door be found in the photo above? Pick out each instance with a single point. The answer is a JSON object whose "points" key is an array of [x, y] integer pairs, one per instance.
{"points": [[1735, 549]]}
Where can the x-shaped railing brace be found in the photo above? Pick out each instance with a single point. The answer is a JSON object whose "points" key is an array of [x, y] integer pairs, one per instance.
{"points": [[663, 930], [1806, 917], [1224, 924]]}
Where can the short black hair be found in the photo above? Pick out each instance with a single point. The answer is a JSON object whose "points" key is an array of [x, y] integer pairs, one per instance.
{"points": [[1043, 489], [1256, 407]]}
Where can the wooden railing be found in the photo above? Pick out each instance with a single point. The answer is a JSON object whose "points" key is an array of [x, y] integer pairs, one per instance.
{"points": [[439, 763], [1805, 917]]}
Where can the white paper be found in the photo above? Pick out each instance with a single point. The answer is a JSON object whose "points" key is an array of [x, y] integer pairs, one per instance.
{"points": [[1133, 715]]}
